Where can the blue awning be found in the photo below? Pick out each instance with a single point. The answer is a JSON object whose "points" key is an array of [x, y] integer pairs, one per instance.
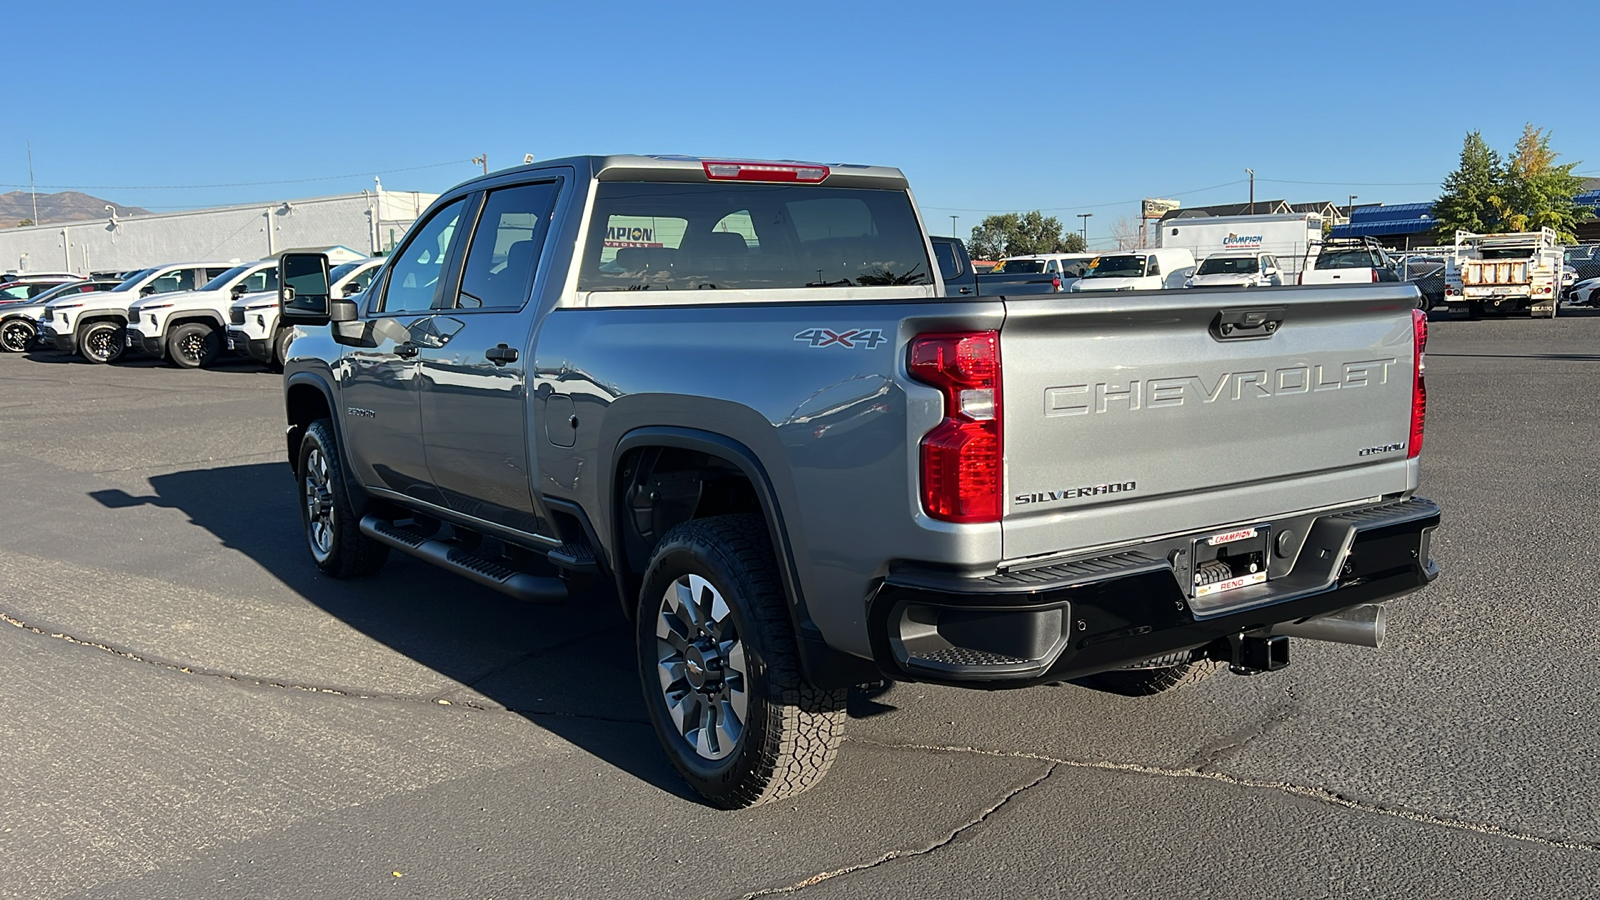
{"points": [[1401, 218]]}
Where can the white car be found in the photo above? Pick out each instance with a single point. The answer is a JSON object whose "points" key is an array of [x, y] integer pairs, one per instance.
{"points": [[253, 328], [1237, 269], [1586, 292], [188, 328]]}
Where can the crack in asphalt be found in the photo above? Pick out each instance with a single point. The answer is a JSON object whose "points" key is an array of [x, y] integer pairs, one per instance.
{"points": [[892, 855], [439, 699], [1275, 719], [235, 677], [1200, 771], [1315, 794]]}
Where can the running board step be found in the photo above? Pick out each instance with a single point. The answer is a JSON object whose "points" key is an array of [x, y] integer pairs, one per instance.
{"points": [[575, 557], [487, 572]]}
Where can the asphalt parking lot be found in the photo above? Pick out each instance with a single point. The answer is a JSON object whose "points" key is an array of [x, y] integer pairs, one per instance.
{"points": [[189, 709]]}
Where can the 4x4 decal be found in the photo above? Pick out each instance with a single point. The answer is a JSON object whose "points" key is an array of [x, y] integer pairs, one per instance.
{"points": [[849, 339]]}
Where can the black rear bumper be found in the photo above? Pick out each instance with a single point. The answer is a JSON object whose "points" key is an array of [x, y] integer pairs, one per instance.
{"points": [[1067, 620]]}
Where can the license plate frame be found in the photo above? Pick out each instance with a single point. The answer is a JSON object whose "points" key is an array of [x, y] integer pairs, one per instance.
{"points": [[1246, 551]]}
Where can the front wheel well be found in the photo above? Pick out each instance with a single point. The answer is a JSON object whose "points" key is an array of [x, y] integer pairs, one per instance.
{"points": [[192, 320], [303, 405], [658, 488]]}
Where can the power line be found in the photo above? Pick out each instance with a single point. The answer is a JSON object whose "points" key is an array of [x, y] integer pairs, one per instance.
{"points": [[1094, 205], [1355, 183], [196, 187]]}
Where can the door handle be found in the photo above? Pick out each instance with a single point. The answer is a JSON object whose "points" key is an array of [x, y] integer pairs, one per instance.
{"points": [[406, 350], [501, 355], [1252, 323]]}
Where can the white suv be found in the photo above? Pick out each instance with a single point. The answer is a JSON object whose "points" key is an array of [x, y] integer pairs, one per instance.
{"points": [[1237, 268], [253, 328], [95, 324], [187, 328]]}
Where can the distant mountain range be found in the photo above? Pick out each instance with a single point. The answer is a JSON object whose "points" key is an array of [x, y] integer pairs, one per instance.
{"points": [[66, 206]]}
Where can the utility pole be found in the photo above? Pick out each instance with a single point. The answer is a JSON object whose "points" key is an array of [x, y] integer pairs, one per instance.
{"points": [[1252, 190], [953, 231], [31, 192], [1350, 211], [482, 161], [1085, 228]]}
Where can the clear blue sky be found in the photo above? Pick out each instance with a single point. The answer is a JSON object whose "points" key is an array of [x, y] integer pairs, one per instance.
{"points": [[987, 106]]}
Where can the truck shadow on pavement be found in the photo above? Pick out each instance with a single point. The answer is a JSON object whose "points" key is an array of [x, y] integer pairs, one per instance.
{"points": [[569, 669]]}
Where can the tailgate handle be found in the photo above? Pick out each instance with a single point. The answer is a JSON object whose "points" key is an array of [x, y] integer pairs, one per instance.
{"points": [[1247, 324]]}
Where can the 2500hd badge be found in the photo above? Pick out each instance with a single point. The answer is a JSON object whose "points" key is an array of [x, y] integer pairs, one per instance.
{"points": [[1075, 493]]}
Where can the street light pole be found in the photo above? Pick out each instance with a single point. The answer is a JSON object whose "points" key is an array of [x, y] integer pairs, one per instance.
{"points": [[1252, 190], [1085, 228], [1350, 210], [953, 232]]}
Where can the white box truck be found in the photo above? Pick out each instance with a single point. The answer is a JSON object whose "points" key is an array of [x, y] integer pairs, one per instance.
{"points": [[1292, 238]]}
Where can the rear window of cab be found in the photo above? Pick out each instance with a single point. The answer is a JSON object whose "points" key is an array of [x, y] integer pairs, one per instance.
{"points": [[696, 237]]}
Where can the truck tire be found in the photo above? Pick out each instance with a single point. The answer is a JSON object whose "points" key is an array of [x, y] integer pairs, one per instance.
{"points": [[1149, 680], [16, 335], [193, 345], [720, 668], [332, 527], [102, 342]]}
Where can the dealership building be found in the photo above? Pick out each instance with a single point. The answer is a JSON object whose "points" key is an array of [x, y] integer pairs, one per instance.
{"points": [[369, 222]]}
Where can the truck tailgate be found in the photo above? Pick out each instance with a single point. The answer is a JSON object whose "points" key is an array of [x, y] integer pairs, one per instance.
{"points": [[1133, 415]]}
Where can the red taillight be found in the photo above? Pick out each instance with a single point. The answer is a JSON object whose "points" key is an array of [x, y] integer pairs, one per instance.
{"points": [[1374, 276], [1419, 390], [962, 459], [1056, 280], [728, 170]]}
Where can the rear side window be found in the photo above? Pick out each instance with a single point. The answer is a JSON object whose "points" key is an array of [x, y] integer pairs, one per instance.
{"points": [[264, 280], [180, 280], [949, 266], [663, 236], [363, 279], [505, 247]]}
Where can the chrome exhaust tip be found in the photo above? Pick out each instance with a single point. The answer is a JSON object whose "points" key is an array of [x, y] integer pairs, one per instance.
{"points": [[1360, 625]]}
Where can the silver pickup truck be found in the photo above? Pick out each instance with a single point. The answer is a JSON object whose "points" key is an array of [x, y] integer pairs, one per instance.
{"points": [[738, 396]]}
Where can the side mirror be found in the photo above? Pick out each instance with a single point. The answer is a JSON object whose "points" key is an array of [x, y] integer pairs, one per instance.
{"points": [[303, 295], [240, 289], [351, 288], [147, 290], [341, 311]]}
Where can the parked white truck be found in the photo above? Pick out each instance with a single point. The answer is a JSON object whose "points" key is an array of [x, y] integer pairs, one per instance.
{"points": [[1504, 273], [1291, 238]]}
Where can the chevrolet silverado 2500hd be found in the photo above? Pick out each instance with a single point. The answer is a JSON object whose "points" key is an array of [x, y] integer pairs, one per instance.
{"points": [[739, 395]]}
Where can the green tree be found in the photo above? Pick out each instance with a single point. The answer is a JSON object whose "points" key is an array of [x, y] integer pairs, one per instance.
{"points": [[24, 223], [1525, 192], [1469, 201], [1019, 234], [1536, 193]]}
